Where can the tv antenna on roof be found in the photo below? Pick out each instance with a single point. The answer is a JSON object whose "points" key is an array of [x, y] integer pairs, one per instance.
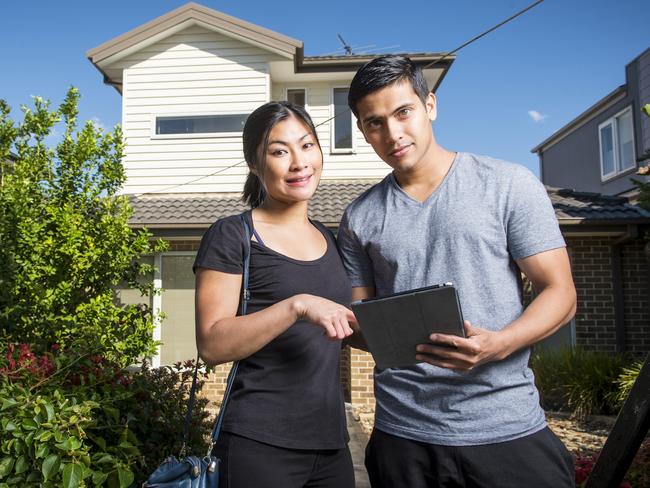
{"points": [[346, 46]]}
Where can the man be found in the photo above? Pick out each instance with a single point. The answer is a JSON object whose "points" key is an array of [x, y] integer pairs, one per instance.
{"points": [[467, 415]]}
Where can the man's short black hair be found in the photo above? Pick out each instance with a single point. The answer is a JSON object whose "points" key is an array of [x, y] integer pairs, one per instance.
{"points": [[382, 72]]}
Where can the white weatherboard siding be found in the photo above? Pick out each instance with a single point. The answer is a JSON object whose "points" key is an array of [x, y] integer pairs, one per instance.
{"points": [[198, 72], [363, 162]]}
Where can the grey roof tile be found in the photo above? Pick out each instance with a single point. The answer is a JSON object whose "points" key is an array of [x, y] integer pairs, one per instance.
{"points": [[332, 197]]}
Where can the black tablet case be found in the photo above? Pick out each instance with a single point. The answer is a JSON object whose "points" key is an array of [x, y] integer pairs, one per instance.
{"points": [[394, 325]]}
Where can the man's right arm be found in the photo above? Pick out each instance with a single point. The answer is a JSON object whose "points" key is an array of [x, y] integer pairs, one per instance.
{"points": [[357, 340]]}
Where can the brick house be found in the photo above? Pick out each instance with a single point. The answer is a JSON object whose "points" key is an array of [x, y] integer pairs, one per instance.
{"points": [[189, 78]]}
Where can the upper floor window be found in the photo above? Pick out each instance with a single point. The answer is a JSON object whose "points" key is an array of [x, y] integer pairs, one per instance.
{"points": [[342, 124], [616, 137], [296, 96], [200, 124]]}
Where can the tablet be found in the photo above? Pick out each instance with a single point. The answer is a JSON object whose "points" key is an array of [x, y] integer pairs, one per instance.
{"points": [[393, 325]]}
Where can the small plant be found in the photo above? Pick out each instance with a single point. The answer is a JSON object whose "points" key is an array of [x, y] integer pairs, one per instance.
{"points": [[626, 380], [583, 382]]}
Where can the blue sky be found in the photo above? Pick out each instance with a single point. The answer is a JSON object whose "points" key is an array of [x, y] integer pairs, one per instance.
{"points": [[503, 95]]}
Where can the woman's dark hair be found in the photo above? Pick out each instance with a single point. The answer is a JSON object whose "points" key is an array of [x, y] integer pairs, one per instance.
{"points": [[256, 140], [384, 71]]}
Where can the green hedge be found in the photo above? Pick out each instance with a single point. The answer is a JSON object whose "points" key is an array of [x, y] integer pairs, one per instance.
{"points": [[71, 420]]}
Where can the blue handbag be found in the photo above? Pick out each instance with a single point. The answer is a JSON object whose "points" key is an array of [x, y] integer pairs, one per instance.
{"points": [[194, 471]]}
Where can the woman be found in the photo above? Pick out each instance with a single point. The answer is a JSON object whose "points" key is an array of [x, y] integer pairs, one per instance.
{"points": [[285, 421]]}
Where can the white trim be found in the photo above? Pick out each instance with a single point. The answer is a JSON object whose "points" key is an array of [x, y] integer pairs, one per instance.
{"points": [[157, 306], [609, 122], [189, 113], [613, 121], [334, 150]]}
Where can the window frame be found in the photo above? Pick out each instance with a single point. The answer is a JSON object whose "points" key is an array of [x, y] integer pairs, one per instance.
{"points": [[613, 121], [201, 135], [333, 150], [303, 88]]}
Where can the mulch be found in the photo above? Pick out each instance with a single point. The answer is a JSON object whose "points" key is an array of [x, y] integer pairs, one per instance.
{"points": [[582, 437]]}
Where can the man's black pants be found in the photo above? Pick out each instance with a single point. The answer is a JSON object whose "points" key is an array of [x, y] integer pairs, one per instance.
{"points": [[537, 460]]}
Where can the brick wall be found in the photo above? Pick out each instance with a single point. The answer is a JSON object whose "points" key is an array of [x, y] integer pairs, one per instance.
{"points": [[361, 368], [636, 286], [591, 261]]}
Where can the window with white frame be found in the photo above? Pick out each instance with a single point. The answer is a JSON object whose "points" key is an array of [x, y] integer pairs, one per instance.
{"points": [[342, 123], [616, 137], [174, 125], [296, 96]]}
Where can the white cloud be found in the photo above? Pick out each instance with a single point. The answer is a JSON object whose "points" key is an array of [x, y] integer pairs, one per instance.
{"points": [[98, 123], [536, 116]]}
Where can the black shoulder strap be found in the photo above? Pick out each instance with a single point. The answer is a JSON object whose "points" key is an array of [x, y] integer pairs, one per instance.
{"points": [[245, 297]]}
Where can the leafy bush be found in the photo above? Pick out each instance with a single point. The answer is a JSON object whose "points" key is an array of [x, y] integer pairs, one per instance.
{"points": [[65, 242], [71, 420], [583, 382]]}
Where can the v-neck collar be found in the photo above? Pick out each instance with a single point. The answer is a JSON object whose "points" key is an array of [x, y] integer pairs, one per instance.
{"points": [[434, 194]]}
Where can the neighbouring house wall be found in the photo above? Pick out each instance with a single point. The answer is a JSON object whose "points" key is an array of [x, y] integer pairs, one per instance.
{"points": [[195, 71], [574, 161], [362, 162]]}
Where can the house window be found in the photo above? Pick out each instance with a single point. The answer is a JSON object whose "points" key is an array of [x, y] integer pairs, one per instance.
{"points": [[616, 137], [177, 330], [200, 124], [296, 96], [342, 124]]}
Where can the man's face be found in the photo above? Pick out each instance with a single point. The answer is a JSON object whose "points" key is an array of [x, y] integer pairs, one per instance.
{"points": [[397, 125]]}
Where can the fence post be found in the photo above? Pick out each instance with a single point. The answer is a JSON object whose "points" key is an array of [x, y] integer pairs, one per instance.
{"points": [[626, 436]]}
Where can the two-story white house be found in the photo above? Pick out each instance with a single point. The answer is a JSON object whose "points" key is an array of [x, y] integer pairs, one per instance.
{"points": [[188, 81]]}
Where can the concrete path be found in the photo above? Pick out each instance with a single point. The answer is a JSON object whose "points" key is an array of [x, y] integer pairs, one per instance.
{"points": [[358, 441]]}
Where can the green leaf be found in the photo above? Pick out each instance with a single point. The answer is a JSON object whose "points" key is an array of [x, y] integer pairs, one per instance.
{"points": [[6, 465], [75, 443], [50, 466], [106, 458], [50, 412], [72, 475], [99, 441], [99, 478], [10, 427], [113, 412], [44, 436], [22, 465], [65, 445], [646, 109], [125, 477], [8, 403], [29, 424], [42, 451]]}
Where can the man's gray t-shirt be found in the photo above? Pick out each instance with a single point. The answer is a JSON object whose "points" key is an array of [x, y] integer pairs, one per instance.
{"points": [[484, 215]]}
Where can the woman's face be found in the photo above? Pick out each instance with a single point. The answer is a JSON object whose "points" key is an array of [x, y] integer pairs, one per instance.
{"points": [[293, 162]]}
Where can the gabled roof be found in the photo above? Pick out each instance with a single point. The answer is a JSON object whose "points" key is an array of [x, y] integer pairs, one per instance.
{"points": [[286, 47], [189, 14], [200, 210]]}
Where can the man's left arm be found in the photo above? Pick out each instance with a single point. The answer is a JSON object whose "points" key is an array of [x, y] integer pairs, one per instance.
{"points": [[554, 305]]}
